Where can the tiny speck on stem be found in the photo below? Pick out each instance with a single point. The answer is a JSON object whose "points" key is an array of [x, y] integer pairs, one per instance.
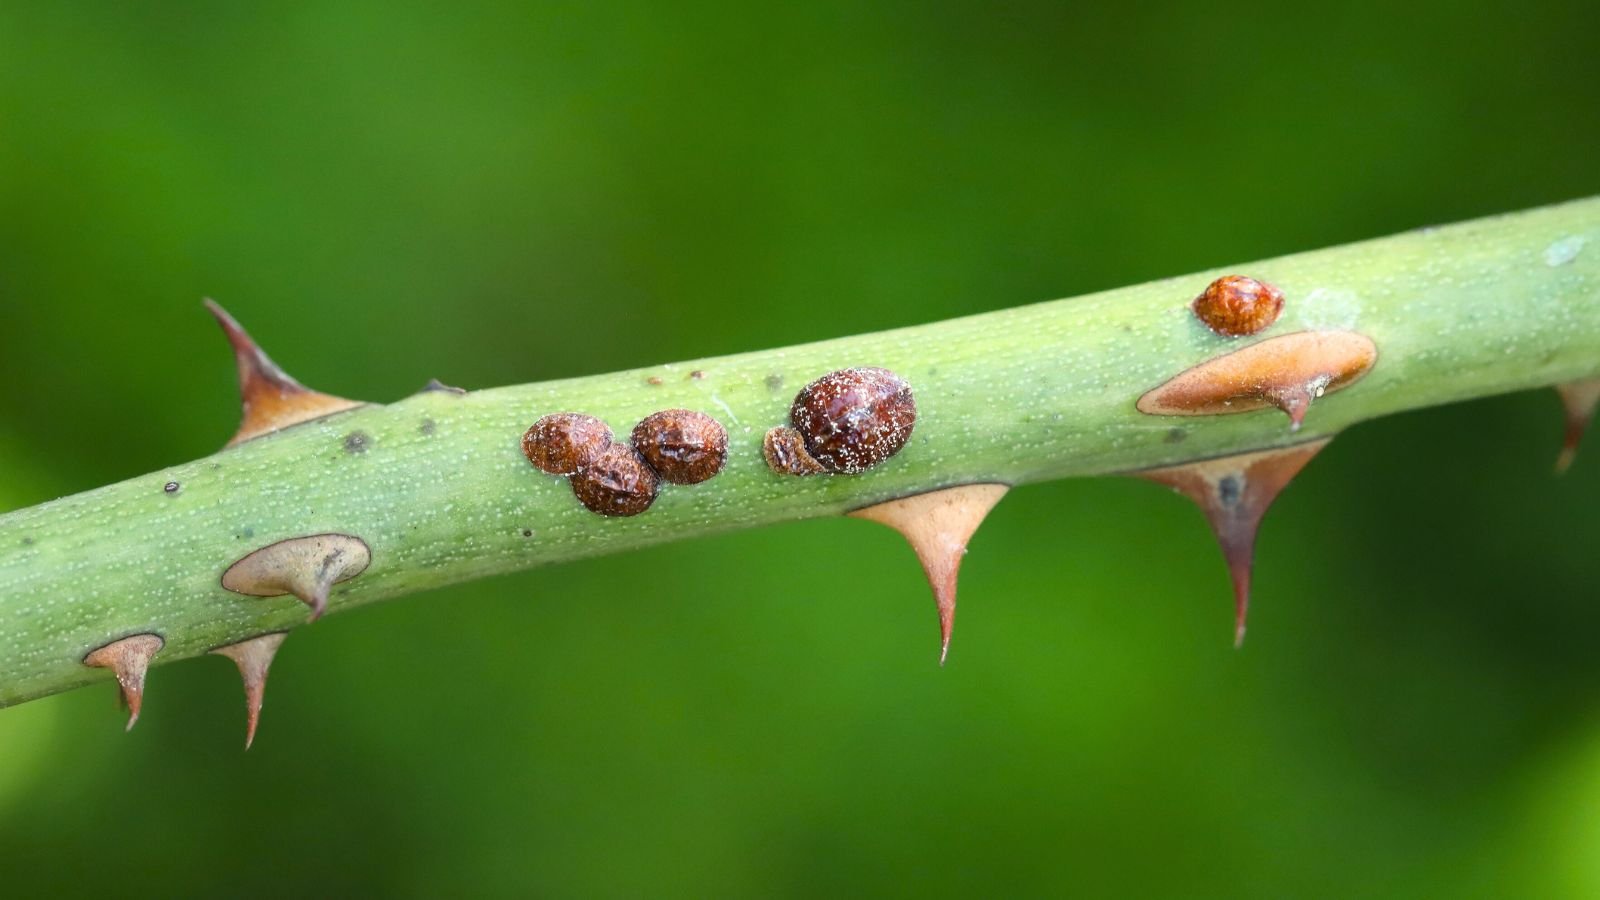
{"points": [[172, 487]]}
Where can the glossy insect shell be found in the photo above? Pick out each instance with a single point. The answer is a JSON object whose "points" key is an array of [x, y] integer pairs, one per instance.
{"points": [[563, 443], [853, 419], [683, 446], [1237, 305], [618, 483]]}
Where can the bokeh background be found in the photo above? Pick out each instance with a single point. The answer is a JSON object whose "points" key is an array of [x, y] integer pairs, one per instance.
{"points": [[386, 192]]}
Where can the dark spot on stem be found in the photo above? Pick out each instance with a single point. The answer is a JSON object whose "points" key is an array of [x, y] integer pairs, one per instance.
{"points": [[172, 487], [427, 428], [356, 442], [1175, 436], [527, 533], [774, 382], [653, 379], [696, 375], [27, 542], [1229, 489]]}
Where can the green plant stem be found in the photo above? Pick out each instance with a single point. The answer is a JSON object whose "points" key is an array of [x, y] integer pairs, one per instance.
{"points": [[439, 489]]}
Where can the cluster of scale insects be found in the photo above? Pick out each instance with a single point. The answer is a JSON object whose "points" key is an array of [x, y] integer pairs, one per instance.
{"points": [[845, 422]]}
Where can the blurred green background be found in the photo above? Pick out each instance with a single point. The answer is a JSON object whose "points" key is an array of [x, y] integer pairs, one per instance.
{"points": [[387, 192]]}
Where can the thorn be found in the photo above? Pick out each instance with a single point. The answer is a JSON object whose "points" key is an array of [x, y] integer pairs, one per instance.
{"points": [[1295, 401], [253, 657], [271, 399], [1235, 492], [938, 525], [1287, 372], [307, 567], [1578, 398], [128, 659], [434, 385]]}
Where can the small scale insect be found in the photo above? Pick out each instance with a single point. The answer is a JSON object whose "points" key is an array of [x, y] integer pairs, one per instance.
{"points": [[618, 483], [681, 445], [844, 422], [562, 443], [1237, 305]]}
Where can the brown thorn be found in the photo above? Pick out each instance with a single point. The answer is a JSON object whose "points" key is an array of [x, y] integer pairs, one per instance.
{"points": [[271, 399], [307, 567], [253, 657], [129, 660], [1578, 399], [1235, 492], [938, 525], [1287, 372]]}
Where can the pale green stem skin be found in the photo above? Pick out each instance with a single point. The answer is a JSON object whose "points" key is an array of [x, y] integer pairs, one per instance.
{"points": [[443, 494]]}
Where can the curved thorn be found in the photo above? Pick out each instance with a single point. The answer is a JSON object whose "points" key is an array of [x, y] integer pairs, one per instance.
{"points": [[271, 399], [1578, 400], [307, 567], [1288, 372], [1234, 493], [434, 385], [129, 660], [254, 658], [938, 525]]}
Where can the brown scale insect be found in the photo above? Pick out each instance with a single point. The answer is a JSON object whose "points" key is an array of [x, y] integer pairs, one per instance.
{"points": [[563, 443], [1237, 305], [681, 445], [844, 422], [618, 483], [785, 452]]}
